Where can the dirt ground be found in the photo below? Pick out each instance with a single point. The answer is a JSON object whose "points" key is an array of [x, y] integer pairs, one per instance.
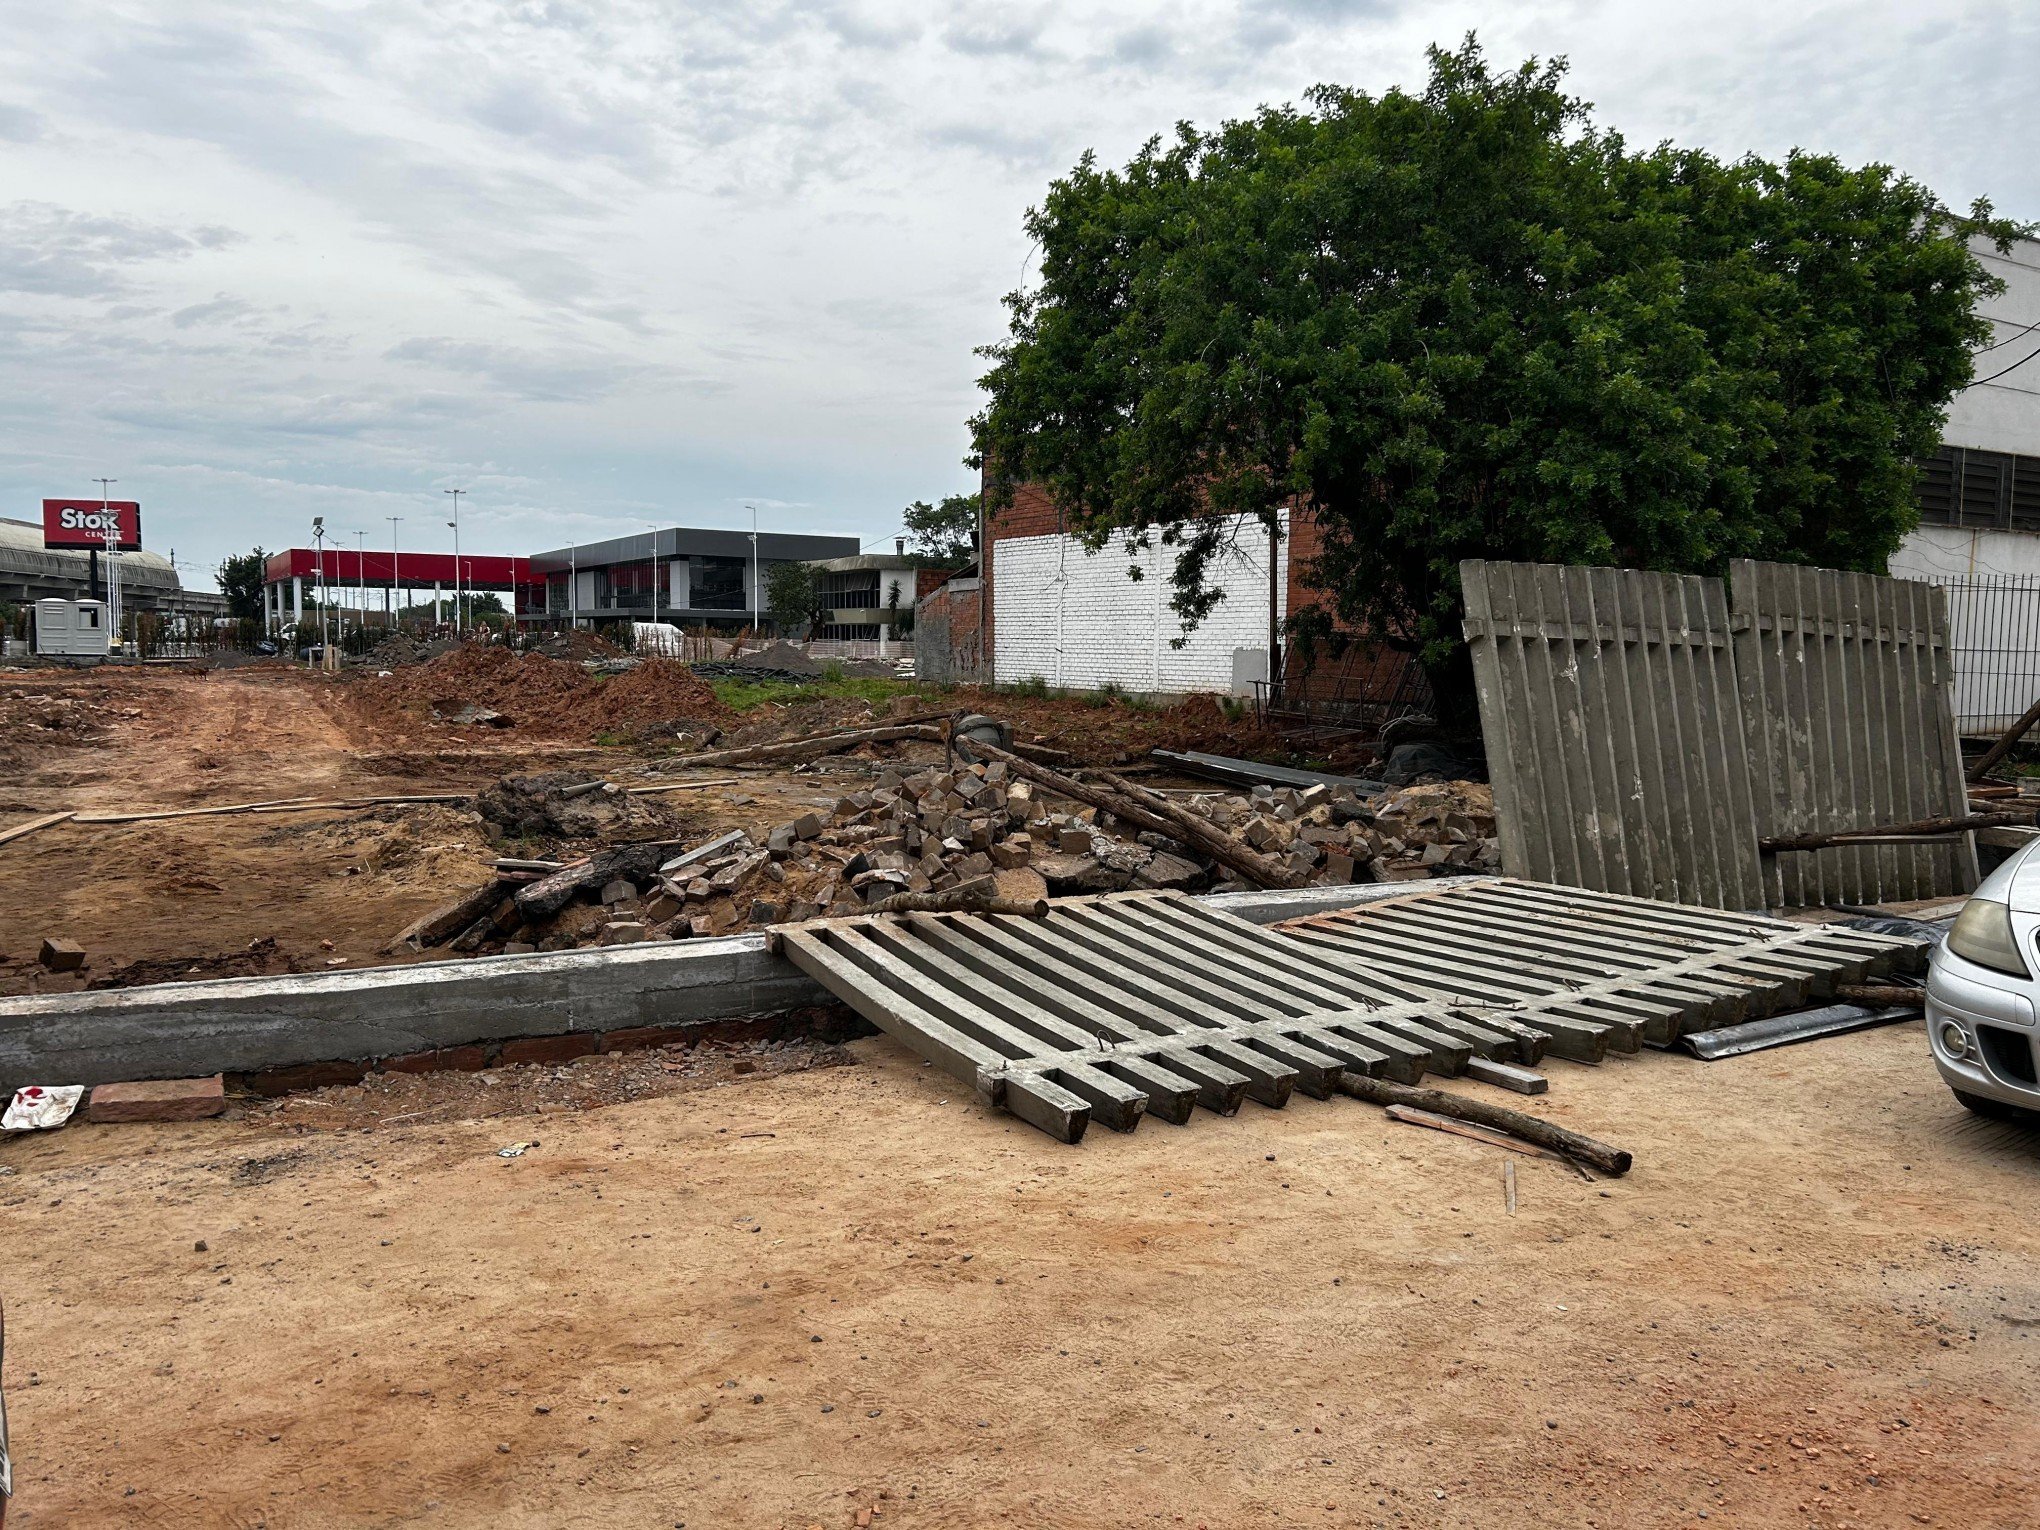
{"points": [[233, 896], [784, 1300], [228, 896]]}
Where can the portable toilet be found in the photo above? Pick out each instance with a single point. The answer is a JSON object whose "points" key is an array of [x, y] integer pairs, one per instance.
{"points": [[73, 629]]}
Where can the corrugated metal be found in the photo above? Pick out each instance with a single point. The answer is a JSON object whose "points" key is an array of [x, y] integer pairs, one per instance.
{"points": [[1847, 687], [1575, 954], [1608, 701], [1154, 1003]]}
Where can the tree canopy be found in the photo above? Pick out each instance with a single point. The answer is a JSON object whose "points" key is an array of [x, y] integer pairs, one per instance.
{"points": [[944, 534], [240, 580], [1471, 322], [793, 598]]}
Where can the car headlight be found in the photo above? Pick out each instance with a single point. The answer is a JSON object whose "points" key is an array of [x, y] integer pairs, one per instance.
{"points": [[1983, 934]]}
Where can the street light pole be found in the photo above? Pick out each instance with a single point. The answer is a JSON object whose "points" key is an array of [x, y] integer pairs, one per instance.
{"points": [[105, 513], [754, 569], [455, 524], [319, 542], [361, 575], [396, 596]]}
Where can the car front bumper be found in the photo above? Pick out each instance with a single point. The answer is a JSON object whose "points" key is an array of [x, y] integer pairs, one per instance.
{"points": [[1994, 1012]]}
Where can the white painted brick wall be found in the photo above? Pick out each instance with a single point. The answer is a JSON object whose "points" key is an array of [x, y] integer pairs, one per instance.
{"points": [[1080, 621]]}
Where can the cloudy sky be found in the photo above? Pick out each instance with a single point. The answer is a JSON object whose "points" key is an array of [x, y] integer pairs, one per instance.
{"points": [[601, 263]]}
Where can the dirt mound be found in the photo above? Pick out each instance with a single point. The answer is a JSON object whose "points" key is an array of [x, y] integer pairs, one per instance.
{"points": [[578, 644], [780, 656], [551, 698]]}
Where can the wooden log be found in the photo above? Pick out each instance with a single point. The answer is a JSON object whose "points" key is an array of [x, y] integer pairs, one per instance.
{"points": [[814, 746], [1898, 833], [551, 893], [1148, 811], [23, 830], [2006, 743], [449, 919], [1884, 995], [279, 805], [1595, 1154], [980, 895]]}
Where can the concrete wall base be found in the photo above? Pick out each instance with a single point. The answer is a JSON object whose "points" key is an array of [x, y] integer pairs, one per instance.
{"points": [[261, 1024]]}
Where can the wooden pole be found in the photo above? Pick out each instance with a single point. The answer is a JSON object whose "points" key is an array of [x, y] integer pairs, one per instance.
{"points": [[2005, 744], [1174, 824], [1595, 1154], [1897, 833]]}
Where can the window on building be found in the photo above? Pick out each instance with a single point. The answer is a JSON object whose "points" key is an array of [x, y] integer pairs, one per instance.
{"points": [[1967, 487], [630, 585], [718, 584]]}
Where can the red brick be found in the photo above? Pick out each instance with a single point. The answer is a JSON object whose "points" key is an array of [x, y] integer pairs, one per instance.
{"points": [[318, 1075], [468, 1059], [549, 1049], [638, 1037], [169, 1099]]}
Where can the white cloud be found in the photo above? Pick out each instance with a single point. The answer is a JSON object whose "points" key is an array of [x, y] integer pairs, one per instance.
{"points": [[604, 261]]}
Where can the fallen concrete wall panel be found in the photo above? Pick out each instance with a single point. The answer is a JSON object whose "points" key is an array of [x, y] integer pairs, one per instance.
{"points": [[1608, 702], [256, 1024], [1847, 689]]}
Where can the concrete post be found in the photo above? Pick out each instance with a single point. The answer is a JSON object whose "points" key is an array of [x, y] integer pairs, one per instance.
{"points": [[435, 602], [297, 599]]}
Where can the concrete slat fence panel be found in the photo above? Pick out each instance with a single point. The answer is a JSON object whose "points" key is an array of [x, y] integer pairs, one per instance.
{"points": [[1609, 703], [1846, 687]]}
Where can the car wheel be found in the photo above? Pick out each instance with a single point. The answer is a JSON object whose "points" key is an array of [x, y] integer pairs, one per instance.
{"points": [[1997, 1110]]}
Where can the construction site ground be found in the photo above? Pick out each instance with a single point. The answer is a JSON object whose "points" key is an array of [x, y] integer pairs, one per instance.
{"points": [[243, 894], [786, 1297], [795, 1284]]}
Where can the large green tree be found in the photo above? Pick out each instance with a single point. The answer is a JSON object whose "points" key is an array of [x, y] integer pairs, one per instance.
{"points": [[240, 580], [944, 533], [1471, 322]]}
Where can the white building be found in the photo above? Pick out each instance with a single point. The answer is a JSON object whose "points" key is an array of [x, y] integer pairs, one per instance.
{"points": [[1980, 495]]}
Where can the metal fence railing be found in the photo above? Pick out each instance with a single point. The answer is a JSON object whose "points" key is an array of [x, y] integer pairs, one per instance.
{"points": [[1994, 632]]}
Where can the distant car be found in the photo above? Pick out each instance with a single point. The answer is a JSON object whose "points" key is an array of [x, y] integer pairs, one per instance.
{"points": [[1982, 994]]}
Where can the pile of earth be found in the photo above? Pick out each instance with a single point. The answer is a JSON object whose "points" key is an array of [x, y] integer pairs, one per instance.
{"points": [[560, 806], [402, 647], [577, 645], [551, 698]]}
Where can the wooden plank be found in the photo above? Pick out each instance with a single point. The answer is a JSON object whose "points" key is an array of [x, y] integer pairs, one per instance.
{"points": [[1410, 1115], [23, 830]]}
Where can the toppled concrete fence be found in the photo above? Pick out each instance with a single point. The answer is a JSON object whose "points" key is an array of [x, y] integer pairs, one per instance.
{"points": [[258, 1024]]}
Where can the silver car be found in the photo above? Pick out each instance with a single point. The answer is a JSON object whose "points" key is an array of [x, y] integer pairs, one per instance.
{"points": [[1981, 993]]}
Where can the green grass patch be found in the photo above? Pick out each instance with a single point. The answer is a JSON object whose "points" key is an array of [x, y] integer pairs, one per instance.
{"points": [[744, 695]]}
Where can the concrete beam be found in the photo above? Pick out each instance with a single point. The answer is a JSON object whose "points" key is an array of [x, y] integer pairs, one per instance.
{"points": [[246, 1025]]}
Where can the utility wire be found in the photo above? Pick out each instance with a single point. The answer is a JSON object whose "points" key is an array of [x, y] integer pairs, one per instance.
{"points": [[1978, 382]]}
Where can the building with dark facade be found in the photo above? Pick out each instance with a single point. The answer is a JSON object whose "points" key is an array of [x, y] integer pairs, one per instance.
{"points": [[30, 572], [683, 575]]}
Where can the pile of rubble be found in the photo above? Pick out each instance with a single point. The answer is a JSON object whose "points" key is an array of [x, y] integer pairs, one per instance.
{"points": [[939, 830]]}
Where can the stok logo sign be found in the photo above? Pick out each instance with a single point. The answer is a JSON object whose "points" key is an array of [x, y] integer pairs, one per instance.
{"points": [[100, 521], [85, 523]]}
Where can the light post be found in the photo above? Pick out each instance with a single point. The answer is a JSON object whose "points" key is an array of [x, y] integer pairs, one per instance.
{"points": [[319, 583], [361, 575], [396, 594], [654, 561], [455, 524], [106, 514], [754, 569]]}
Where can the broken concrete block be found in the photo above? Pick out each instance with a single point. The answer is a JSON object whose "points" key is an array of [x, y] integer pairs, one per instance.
{"points": [[618, 891], [1015, 850], [170, 1099], [61, 955], [1434, 855], [779, 843], [763, 912], [1167, 870], [663, 905], [1263, 835], [807, 826], [1339, 868], [1073, 841], [518, 948], [623, 932]]}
